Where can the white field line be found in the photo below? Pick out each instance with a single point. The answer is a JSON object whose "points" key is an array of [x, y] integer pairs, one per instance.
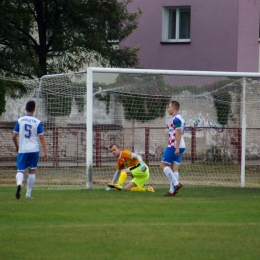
{"points": [[212, 224]]}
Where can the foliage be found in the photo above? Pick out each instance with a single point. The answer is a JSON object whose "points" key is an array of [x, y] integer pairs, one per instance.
{"points": [[80, 100], [222, 102], [48, 37], [220, 91], [15, 89], [201, 89], [2, 97], [57, 105], [144, 97], [9, 87], [58, 99], [143, 108], [106, 98], [138, 107]]}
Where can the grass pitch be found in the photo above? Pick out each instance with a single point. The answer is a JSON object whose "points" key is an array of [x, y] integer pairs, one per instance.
{"points": [[199, 223]]}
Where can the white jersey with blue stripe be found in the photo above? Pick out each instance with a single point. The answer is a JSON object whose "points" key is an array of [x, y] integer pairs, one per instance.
{"points": [[177, 122], [28, 127]]}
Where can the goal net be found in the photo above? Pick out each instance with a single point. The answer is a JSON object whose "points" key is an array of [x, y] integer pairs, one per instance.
{"points": [[84, 113]]}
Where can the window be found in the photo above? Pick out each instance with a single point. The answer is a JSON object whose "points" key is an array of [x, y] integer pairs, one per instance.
{"points": [[176, 24]]}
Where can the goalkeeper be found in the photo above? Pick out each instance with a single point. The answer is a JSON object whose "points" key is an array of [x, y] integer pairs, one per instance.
{"points": [[129, 164]]}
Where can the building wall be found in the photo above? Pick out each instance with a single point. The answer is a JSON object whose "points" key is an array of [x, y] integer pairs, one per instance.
{"points": [[224, 36], [248, 36]]}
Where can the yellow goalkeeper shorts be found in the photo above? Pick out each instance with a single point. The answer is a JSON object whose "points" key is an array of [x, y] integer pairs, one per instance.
{"points": [[140, 177]]}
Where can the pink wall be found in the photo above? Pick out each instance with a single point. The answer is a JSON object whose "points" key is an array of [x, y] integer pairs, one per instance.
{"points": [[248, 36], [223, 36]]}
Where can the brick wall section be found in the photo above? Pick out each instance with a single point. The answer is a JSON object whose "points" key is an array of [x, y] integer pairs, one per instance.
{"points": [[7, 148]]}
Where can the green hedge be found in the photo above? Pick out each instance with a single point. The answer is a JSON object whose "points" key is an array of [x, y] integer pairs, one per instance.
{"points": [[9, 87]]}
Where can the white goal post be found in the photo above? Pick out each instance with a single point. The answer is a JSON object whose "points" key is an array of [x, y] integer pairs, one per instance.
{"points": [[228, 75], [83, 113]]}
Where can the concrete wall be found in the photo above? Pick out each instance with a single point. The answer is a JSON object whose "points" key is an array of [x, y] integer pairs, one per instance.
{"points": [[134, 131]]}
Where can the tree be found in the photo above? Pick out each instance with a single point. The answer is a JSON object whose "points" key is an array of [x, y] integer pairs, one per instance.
{"points": [[39, 37]]}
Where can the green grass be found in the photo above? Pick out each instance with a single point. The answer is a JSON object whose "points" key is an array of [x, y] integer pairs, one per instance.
{"points": [[199, 223]]}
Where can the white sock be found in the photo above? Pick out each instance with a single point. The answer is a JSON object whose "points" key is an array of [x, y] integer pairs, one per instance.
{"points": [[19, 178], [28, 192], [176, 175], [171, 187], [171, 176], [167, 173], [30, 183]]}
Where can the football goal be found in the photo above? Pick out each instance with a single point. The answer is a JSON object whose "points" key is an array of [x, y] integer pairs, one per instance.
{"points": [[85, 112]]}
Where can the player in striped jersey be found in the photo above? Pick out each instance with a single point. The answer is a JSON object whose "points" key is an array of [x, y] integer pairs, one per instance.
{"points": [[172, 156]]}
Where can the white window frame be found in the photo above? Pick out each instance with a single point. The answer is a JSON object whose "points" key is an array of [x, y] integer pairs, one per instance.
{"points": [[165, 24]]}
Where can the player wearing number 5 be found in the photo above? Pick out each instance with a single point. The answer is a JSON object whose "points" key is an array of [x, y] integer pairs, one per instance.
{"points": [[129, 164], [30, 132]]}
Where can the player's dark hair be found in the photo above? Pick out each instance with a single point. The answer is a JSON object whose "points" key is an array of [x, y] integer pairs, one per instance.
{"points": [[117, 146], [30, 106], [175, 104]]}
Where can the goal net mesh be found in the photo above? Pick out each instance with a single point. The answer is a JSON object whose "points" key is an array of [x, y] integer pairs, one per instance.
{"points": [[130, 110]]}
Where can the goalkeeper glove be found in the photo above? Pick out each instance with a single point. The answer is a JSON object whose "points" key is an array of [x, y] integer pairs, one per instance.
{"points": [[143, 166]]}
